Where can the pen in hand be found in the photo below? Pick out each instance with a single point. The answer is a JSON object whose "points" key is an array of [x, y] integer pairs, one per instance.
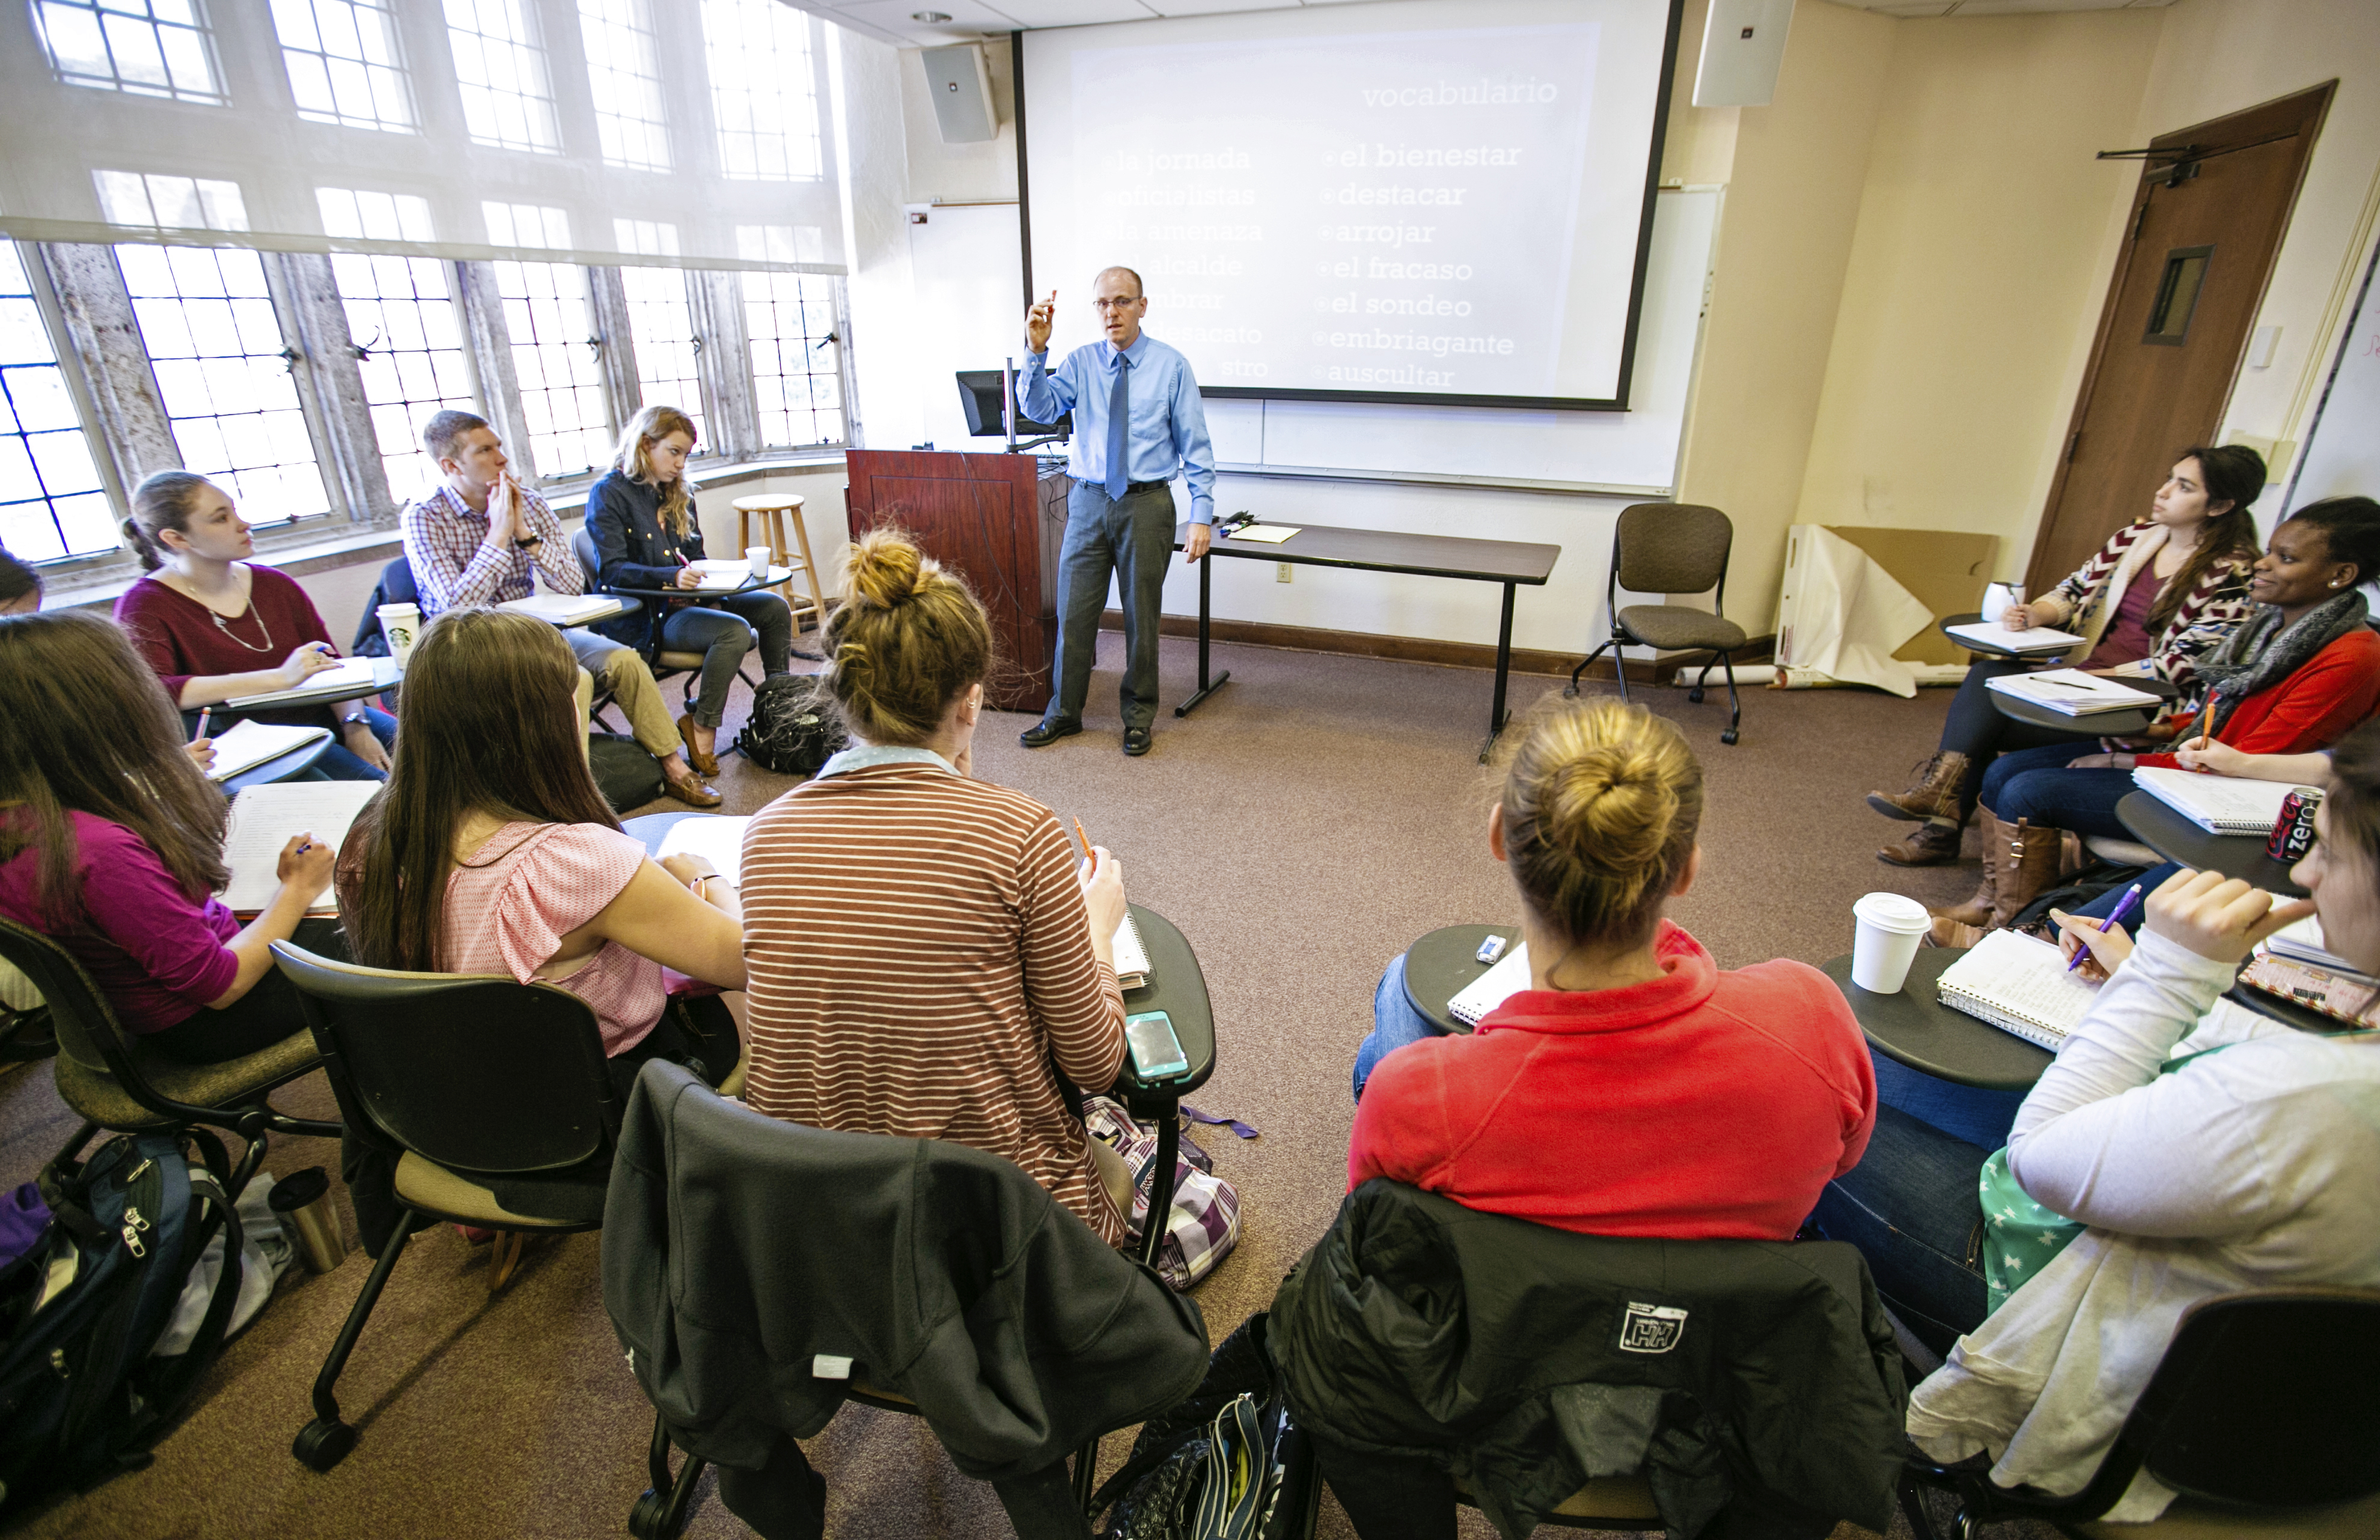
{"points": [[2123, 907], [204, 711]]}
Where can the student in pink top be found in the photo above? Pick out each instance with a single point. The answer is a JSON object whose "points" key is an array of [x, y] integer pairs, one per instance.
{"points": [[111, 844], [491, 851]]}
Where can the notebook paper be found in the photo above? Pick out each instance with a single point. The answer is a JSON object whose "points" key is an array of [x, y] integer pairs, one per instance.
{"points": [[2218, 804], [2020, 986], [718, 841], [264, 819], [1131, 956], [347, 673], [2041, 638], [2073, 692], [562, 609], [1492, 988], [246, 744], [1265, 534]]}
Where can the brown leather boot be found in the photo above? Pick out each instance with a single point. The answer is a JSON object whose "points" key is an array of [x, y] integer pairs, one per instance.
{"points": [[1933, 795], [1934, 843], [1950, 933], [2028, 864], [1978, 909]]}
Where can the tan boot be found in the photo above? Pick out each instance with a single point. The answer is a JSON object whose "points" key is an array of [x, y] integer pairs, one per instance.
{"points": [[2028, 868], [1933, 795], [1934, 843], [1950, 933], [1978, 909]]}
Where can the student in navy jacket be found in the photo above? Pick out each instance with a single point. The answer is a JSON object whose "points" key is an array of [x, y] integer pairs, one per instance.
{"points": [[642, 521]]}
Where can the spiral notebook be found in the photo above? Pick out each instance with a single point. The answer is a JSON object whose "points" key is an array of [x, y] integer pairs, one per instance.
{"points": [[2020, 986], [1492, 988]]}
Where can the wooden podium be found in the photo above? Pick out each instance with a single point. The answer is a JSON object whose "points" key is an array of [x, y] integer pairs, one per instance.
{"points": [[998, 520]]}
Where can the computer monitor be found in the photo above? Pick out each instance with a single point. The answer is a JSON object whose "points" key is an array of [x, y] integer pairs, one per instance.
{"points": [[980, 397]]}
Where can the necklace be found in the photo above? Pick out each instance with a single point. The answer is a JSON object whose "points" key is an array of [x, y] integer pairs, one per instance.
{"points": [[225, 626]]}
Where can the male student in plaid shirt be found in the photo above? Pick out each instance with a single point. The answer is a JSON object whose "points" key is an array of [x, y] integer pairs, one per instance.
{"points": [[475, 539]]}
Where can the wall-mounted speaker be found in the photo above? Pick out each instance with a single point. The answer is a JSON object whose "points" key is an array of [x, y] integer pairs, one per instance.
{"points": [[961, 87], [1743, 44]]}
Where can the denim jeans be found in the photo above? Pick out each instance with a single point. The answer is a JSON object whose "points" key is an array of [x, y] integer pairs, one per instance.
{"points": [[1395, 1023], [1914, 1208], [723, 630], [340, 763], [2034, 784], [1133, 538]]}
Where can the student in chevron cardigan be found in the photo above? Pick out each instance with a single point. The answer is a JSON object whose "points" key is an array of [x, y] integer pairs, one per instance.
{"points": [[2159, 595]]}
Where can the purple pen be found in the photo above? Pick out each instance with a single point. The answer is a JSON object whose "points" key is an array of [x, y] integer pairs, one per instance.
{"points": [[2123, 907]]}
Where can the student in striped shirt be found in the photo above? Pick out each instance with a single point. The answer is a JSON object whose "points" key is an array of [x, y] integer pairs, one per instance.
{"points": [[924, 956]]}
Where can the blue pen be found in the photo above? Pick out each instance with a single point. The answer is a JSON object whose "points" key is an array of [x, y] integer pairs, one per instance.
{"points": [[2123, 907]]}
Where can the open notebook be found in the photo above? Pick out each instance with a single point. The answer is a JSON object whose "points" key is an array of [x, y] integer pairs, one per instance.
{"points": [[1492, 988], [562, 609], [2074, 693], [248, 744], [2041, 639], [2218, 804], [2020, 986], [263, 818], [347, 673]]}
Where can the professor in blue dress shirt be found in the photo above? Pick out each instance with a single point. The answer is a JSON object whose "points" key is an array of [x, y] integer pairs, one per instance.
{"points": [[1138, 423]]}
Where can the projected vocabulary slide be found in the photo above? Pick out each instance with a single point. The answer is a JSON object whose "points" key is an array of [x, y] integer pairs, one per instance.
{"points": [[1437, 212]]}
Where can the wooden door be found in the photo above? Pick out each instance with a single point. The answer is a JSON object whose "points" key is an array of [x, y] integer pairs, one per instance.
{"points": [[2213, 203]]}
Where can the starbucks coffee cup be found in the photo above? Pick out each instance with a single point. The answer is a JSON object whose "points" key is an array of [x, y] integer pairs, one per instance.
{"points": [[400, 624]]}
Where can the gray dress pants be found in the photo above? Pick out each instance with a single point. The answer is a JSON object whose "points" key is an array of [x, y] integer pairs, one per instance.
{"points": [[1134, 538]]}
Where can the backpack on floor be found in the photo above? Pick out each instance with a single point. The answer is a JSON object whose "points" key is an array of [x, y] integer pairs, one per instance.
{"points": [[1227, 1463], [795, 727], [624, 774], [80, 1396], [1205, 1223]]}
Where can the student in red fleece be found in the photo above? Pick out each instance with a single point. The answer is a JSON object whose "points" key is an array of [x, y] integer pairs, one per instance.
{"points": [[111, 844], [2296, 677], [1634, 1088]]}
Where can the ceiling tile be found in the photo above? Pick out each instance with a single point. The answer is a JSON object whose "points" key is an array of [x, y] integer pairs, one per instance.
{"points": [[1076, 13], [1214, 7], [891, 19]]}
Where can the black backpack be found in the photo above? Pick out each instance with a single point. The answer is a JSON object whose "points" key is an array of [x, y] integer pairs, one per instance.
{"points": [[1226, 1462], [624, 774], [795, 726], [80, 1398]]}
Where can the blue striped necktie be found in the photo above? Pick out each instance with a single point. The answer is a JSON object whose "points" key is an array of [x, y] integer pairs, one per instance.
{"points": [[1119, 467]]}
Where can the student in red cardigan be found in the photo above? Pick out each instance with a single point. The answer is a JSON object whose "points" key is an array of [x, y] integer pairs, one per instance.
{"points": [[1635, 1088], [215, 627]]}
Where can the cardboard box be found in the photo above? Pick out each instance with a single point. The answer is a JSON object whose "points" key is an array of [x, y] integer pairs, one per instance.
{"points": [[1943, 570]]}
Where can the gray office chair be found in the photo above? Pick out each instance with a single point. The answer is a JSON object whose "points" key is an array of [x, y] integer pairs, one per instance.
{"points": [[1671, 547]]}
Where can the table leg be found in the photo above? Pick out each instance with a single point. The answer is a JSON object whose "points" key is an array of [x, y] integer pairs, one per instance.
{"points": [[1160, 1183], [1206, 686], [1495, 716]]}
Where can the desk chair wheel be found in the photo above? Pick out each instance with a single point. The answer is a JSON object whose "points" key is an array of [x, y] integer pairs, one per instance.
{"points": [[1695, 695], [322, 1445], [1570, 691], [1728, 735]]}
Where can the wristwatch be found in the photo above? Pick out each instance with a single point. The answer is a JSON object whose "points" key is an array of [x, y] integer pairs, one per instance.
{"points": [[527, 542], [355, 719]]}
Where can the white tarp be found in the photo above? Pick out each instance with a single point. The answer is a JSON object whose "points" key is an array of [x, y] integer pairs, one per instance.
{"points": [[1848, 614]]}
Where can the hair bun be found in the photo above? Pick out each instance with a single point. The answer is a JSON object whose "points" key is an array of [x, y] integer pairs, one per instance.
{"points": [[1611, 807], [884, 569]]}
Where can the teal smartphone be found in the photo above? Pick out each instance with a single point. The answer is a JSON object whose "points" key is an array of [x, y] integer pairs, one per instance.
{"points": [[1156, 1051]]}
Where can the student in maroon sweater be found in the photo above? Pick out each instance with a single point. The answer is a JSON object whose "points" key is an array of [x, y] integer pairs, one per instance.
{"points": [[216, 627], [1634, 1088]]}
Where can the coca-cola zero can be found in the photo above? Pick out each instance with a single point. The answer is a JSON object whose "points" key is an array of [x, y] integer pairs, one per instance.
{"points": [[2293, 833]]}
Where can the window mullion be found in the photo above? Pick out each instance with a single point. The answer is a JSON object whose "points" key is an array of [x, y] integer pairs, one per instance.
{"points": [[726, 362], [609, 297], [135, 435], [491, 354], [329, 384], [850, 405], [73, 369]]}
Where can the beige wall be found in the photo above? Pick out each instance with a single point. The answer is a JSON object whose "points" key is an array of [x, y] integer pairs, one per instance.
{"points": [[1794, 179], [1977, 272]]}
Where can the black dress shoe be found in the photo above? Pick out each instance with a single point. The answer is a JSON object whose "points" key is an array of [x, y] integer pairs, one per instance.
{"points": [[1135, 741], [1043, 733]]}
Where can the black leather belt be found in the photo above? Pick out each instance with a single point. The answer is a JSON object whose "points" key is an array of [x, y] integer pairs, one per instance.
{"points": [[1130, 487]]}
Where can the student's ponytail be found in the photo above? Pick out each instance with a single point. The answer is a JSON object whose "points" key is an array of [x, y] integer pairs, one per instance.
{"points": [[166, 500], [907, 640], [1601, 801]]}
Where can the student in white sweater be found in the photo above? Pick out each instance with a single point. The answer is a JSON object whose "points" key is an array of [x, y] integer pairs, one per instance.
{"points": [[2252, 1167]]}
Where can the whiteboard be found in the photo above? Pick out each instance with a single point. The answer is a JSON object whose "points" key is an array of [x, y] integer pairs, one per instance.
{"points": [[2342, 449], [966, 319]]}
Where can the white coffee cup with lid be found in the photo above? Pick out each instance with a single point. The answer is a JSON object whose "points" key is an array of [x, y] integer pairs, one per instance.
{"points": [[757, 558], [1890, 928], [400, 624]]}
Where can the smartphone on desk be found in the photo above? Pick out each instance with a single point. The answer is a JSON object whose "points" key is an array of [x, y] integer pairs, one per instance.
{"points": [[1157, 1053]]}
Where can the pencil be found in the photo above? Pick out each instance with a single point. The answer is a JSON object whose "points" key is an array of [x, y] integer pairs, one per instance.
{"points": [[1085, 839], [201, 732]]}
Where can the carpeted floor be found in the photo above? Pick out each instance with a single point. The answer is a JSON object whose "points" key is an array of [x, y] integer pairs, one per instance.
{"points": [[1308, 822]]}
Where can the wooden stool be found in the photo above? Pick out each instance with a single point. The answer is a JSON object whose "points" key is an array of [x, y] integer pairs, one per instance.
{"points": [[774, 511]]}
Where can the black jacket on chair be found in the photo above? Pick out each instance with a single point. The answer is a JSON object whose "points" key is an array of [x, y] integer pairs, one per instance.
{"points": [[738, 1250], [1744, 1378]]}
